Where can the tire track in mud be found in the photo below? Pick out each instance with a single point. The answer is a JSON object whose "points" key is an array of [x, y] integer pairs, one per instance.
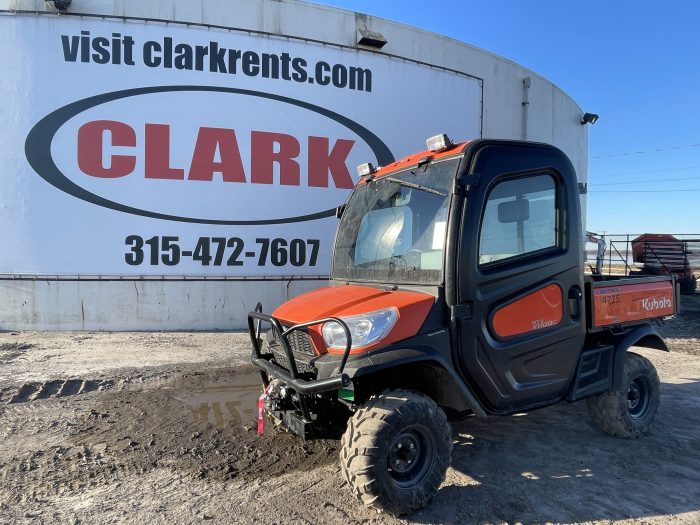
{"points": [[197, 426], [55, 388], [9, 351]]}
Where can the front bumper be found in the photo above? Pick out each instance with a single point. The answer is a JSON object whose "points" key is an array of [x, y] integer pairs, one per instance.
{"points": [[291, 376]]}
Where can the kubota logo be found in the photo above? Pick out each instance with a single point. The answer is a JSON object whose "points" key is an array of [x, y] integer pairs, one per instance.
{"points": [[656, 304], [252, 155]]}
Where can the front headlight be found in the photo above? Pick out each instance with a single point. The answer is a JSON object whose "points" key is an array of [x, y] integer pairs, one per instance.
{"points": [[365, 329]]}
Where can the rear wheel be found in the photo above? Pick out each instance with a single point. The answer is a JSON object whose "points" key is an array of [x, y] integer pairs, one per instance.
{"points": [[630, 411], [396, 450]]}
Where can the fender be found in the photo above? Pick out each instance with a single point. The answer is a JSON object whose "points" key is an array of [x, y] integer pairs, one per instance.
{"points": [[645, 336], [449, 389]]}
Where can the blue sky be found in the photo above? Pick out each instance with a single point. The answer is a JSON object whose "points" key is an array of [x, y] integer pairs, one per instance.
{"points": [[636, 64]]}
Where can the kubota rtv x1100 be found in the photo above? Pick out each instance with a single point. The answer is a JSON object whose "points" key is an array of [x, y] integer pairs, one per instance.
{"points": [[457, 287]]}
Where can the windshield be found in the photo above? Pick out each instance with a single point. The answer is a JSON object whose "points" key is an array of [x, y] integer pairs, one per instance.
{"points": [[393, 229]]}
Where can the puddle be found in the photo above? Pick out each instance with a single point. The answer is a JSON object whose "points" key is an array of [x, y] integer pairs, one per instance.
{"points": [[203, 423], [223, 401]]}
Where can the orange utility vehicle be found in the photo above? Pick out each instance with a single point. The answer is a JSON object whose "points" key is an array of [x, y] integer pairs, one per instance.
{"points": [[457, 288]]}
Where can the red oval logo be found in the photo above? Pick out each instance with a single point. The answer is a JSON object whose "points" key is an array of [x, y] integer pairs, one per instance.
{"points": [[139, 165]]}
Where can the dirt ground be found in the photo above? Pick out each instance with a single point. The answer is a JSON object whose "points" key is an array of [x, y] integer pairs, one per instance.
{"points": [[159, 428]]}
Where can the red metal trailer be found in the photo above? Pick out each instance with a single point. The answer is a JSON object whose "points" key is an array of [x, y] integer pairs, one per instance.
{"points": [[663, 254]]}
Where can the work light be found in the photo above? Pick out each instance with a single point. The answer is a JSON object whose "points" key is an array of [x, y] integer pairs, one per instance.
{"points": [[365, 169], [438, 142]]}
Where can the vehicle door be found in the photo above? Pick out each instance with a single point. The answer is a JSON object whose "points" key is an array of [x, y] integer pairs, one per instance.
{"points": [[519, 275]]}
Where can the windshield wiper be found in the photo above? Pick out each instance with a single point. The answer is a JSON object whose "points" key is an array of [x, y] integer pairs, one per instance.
{"points": [[414, 185]]}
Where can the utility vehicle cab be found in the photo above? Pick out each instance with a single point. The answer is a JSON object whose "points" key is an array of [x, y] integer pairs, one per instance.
{"points": [[457, 287]]}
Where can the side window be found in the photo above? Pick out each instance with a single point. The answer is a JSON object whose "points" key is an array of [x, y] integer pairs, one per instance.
{"points": [[520, 217]]}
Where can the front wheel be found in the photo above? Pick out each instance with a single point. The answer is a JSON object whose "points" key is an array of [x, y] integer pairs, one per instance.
{"points": [[396, 450], [630, 411]]}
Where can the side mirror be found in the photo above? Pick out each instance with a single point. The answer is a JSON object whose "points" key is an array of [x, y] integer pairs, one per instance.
{"points": [[514, 211], [340, 210]]}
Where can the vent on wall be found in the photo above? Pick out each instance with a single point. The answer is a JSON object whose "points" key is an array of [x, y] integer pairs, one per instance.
{"points": [[59, 5], [370, 39]]}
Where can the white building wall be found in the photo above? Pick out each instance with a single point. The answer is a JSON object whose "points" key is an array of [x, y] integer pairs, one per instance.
{"points": [[554, 117], [132, 304], [43, 304]]}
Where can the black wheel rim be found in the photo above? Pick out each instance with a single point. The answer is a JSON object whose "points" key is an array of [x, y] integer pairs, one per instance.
{"points": [[639, 397], [411, 455]]}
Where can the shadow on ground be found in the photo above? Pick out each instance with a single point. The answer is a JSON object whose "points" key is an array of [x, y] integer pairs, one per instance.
{"points": [[553, 466]]}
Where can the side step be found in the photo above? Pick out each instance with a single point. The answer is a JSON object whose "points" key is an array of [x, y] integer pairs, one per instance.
{"points": [[593, 374]]}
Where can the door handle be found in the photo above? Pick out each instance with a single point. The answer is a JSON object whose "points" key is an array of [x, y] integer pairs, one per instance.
{"points": [[575, 299]]}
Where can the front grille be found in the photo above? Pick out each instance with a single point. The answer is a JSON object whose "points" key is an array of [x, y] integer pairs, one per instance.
{"points": [[299, 341], [303, 361], [300, 344]]}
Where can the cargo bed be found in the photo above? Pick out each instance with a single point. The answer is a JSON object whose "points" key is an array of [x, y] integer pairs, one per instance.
{"points": [[630, 301]]}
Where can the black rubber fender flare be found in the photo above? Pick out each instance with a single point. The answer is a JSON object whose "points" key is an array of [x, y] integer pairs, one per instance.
{"points": [[644, 336], [400, 357]]}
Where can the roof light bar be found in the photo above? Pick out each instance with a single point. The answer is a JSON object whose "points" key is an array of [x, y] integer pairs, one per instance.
{"points": [[366, 169], [439, 142]]}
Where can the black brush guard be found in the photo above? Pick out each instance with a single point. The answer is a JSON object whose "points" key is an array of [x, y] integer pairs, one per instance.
{"points": [[291, 376]]}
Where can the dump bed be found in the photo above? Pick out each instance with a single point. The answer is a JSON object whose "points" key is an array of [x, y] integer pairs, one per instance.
{"points": [[629, 301]]}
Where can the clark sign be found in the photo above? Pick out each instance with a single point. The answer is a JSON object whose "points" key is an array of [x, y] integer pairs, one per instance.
{"points": [[153, 150]]}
